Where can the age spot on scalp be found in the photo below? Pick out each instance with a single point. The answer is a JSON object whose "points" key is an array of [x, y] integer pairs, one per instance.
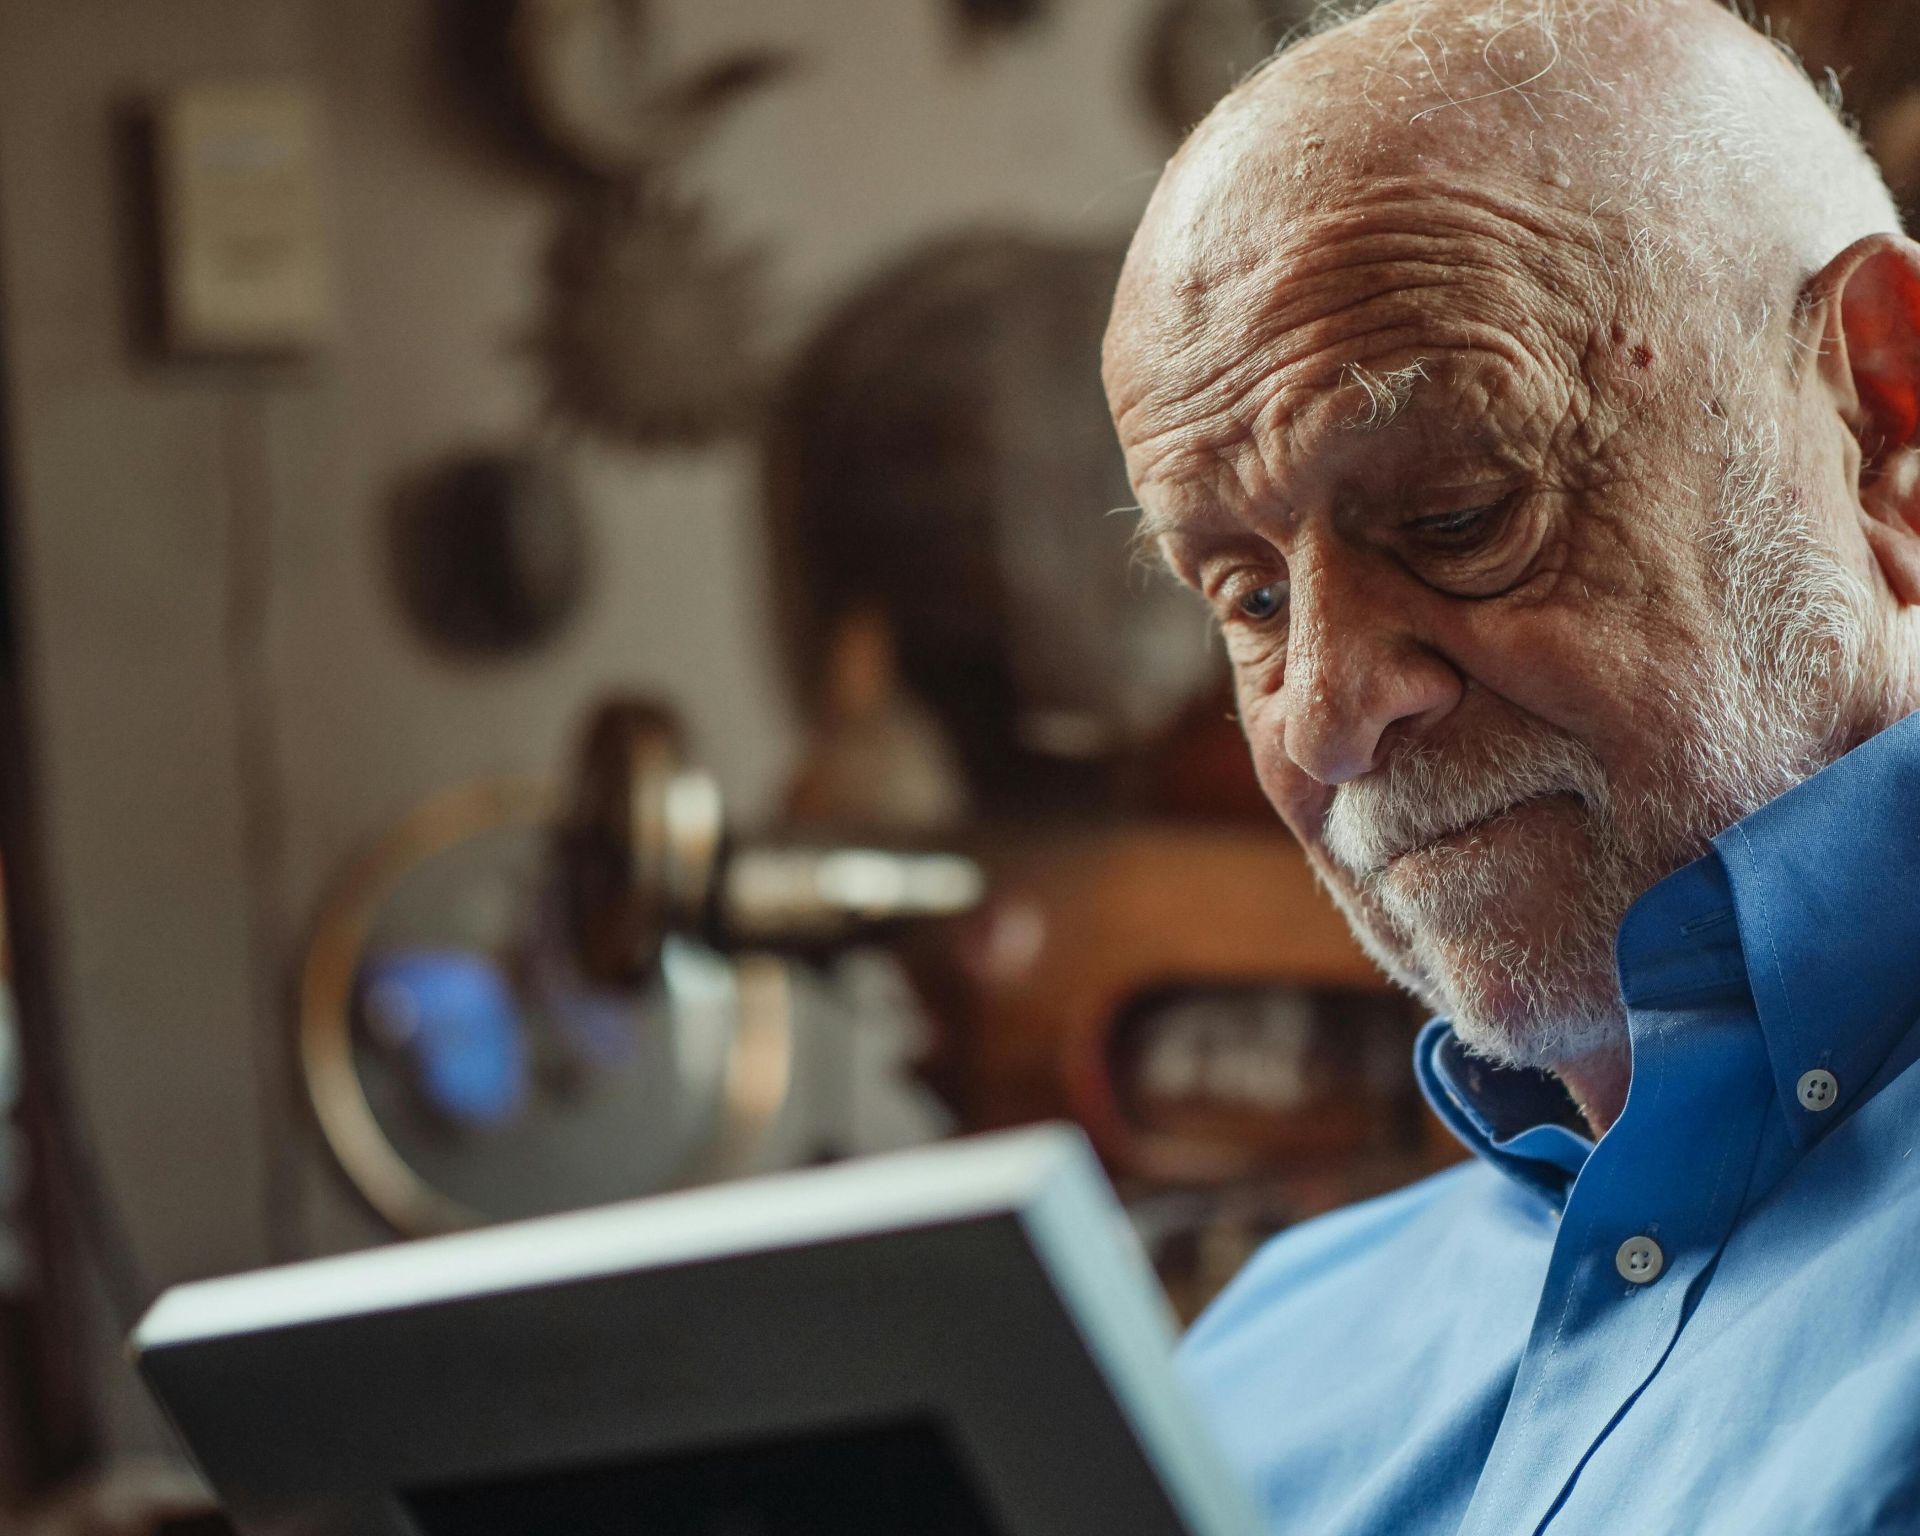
{"points": [[1639, 354]]}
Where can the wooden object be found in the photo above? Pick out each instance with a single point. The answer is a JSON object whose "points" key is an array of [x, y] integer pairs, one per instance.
{"points": [[1080, 930]]}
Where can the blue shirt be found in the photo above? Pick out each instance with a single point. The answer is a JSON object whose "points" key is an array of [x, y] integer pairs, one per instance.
{"points": [[1470, 1355]]}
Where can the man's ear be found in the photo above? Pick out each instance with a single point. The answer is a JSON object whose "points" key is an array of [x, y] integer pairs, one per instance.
{"points": [[1867, 304]]}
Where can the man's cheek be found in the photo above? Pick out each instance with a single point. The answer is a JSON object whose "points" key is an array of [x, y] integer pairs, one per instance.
{"points": [[1300, 801]]}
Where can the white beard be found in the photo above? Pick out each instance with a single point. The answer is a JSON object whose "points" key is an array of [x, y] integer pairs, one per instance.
{"points": [[1760, 713]]}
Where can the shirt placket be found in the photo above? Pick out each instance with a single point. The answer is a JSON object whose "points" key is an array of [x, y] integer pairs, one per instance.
{"points": [[1643, 1224]]}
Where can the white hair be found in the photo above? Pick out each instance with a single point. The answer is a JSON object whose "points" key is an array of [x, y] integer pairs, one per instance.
{"points": [[1387, 394]]}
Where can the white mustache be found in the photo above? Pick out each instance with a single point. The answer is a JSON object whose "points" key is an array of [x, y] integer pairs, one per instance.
{"points": [[1421, 795]]}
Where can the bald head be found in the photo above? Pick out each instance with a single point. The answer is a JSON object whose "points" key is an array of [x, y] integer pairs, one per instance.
{"points": [[1648, 148]]}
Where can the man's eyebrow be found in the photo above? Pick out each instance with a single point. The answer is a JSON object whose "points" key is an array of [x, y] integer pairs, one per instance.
{"points": [[1157, 525], [1386, 394], [1147, 533], [1154, 525]]}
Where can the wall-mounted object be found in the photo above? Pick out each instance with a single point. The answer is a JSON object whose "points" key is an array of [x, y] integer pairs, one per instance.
{"points": [[984, 18], [941, 455], [585, 70], [242, 249], [653, 330], [579, 65], [489, 552], [576, 86]]}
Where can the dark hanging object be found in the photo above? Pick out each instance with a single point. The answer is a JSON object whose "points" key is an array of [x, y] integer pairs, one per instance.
{"points": [[652, 332], [489, 552], [984, 18], [941, 456], [477, 74], [590, 78], [577, 86]]}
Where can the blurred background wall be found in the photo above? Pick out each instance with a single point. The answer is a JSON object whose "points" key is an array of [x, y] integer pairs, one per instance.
{"points": [[226, 700]]}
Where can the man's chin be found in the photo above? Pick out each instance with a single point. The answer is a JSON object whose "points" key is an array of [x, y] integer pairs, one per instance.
{"points": [[1526, 1003], [1546, 1043], [1521, 986], [1481, 933]]}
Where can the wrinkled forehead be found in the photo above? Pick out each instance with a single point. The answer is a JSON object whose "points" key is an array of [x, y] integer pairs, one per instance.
{"points": [[1303, 216], [1604, 153], [1435, 289]]}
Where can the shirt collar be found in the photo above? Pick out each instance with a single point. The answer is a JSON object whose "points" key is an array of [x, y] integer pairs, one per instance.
{"points": [[1807, 912], [1826, 889], [1523, 1123]]}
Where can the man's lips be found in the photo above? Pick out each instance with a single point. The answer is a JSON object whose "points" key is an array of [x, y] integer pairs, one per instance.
{"points": [[1464, 830], [1371, 854]]}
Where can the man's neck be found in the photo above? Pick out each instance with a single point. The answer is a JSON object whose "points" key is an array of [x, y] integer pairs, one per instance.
{"points": [[1598, 1084]]}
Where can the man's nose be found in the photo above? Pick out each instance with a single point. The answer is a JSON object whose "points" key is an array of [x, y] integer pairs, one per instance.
{"points": [[1357, 677]]}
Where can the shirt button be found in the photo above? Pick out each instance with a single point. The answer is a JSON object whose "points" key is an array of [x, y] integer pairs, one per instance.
{"points": [[1817, 1090], [1640, 1260]]}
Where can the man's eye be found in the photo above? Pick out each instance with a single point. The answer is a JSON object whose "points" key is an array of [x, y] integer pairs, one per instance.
{"points": [[1458, 528], [1262, 603]]}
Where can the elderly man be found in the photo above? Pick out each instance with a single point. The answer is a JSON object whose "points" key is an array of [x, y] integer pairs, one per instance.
{"points": [[1532, 393]]}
